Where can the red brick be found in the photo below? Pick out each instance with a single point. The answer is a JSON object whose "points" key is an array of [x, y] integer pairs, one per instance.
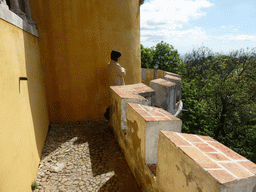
{"points": [[237, 170], [149, 118], [123, 95], [222, 176], [191, 138], [143, 113], [130, 95], [135, 105], [206, 138], [156, 113], [204, 147], [230, 153], [175, 138], [200, 158], [147, 108], [218, 157], [169, 115], [163, 118], [249, 165], [139, 88]]}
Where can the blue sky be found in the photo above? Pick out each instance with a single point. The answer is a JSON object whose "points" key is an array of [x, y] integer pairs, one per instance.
{"points": [[221, 25]]}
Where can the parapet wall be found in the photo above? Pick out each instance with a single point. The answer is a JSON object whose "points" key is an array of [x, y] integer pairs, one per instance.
{"points": [[167, 88], [163, 159]]}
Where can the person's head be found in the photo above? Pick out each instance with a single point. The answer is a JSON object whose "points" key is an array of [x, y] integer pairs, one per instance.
{"points": [[115, 54]]}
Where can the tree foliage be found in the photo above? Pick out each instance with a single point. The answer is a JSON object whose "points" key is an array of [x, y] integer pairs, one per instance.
{"points": [[220, 93], [162, 56], [146, 57]]}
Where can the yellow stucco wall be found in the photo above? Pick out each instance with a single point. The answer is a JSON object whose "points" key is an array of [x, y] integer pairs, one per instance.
{"points": [[24, 118], [150, 76], [177, 171], [76, 38]]}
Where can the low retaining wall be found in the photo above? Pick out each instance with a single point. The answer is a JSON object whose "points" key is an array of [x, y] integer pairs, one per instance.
{"points": [[163, 159]]}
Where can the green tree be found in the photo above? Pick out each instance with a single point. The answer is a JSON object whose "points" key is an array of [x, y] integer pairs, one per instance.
{"points": [[163, 56], [166, 57], [220, 94], [146, 57]]}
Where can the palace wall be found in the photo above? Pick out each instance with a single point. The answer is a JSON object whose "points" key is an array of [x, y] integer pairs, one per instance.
{"points": [[76, 39], [24, 118]]}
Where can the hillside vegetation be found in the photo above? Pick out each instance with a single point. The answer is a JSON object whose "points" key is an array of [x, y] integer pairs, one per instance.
{"points": [[219, 92]]}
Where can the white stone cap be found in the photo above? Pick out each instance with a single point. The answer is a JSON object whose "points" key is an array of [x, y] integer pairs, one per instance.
{"points": [[14, 19]]}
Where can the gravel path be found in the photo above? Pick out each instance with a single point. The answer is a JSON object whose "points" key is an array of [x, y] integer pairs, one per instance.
{"points": [[83, 156]]}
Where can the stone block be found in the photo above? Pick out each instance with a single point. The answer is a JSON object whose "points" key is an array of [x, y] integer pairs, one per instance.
{"points": [[177, 80], [165, 94], [121, 95], [150, 120], [199, 163], [169, 73]]}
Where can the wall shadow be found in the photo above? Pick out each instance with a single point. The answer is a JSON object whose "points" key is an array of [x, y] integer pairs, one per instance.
{"points": [[105, 154], [36, 101]]}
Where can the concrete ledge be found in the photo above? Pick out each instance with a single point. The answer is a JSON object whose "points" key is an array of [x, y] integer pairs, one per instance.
{"points": [[172, 74], [176, 79], [165, 94], [172, 78], [200, 162], [120, 95], [14, 19], [151, 121]]}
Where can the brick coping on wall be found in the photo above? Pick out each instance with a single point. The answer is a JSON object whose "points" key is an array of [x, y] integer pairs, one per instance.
{"points": [[172, 77], [149, 113], [222, 163], [163, 82], [133, 91]]}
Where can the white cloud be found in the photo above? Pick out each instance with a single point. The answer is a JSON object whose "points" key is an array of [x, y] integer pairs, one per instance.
{"points": [[172, 11], [162, 19], [237, 38], [243, 38]]}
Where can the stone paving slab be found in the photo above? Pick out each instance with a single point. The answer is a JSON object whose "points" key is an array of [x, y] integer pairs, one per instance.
{"points": [[83, 156]]}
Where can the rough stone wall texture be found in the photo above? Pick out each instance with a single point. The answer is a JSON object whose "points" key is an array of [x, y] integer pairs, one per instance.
{"points": [[24, 117], [76, 39]]}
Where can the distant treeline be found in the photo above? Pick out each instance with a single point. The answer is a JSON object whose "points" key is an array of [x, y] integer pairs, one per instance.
{"points": [[219, 92]]}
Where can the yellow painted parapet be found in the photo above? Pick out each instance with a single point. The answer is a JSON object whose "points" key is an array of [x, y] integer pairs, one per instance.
{"points": [[137, 126], [76, 38], [189, 162], [24, 117], [173, 161]]}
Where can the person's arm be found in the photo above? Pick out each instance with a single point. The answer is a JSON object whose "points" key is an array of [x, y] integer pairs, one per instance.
{"points": [[120, 70]]}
